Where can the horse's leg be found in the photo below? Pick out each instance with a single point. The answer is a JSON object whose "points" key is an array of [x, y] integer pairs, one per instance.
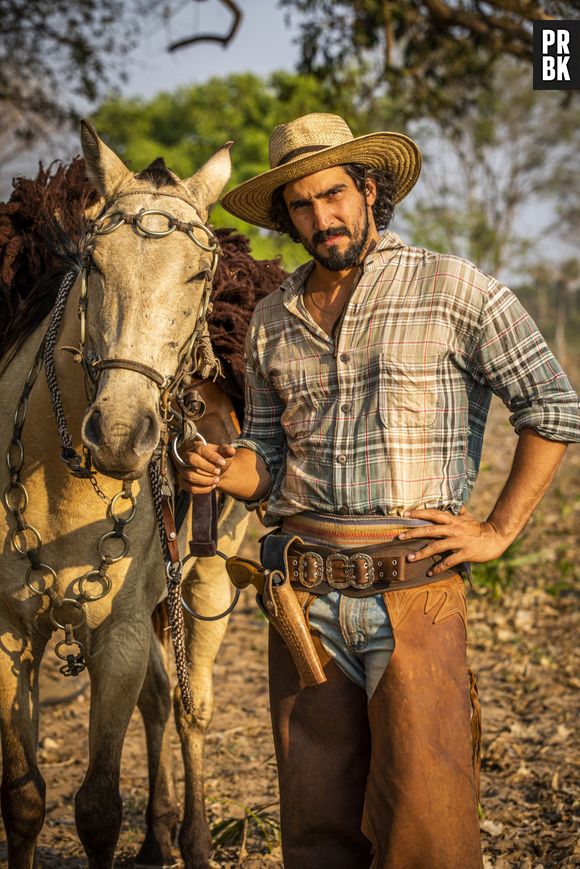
{"points": [[162, 814], [209, 591], [117, 664], [23, 788]]}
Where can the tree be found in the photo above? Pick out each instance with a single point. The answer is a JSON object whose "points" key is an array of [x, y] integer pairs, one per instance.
{"points": [[434, 54], [54, 53], [515, 150]]}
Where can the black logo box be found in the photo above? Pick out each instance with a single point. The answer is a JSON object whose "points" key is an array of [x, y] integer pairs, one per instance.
{"points": [[542, 49]]}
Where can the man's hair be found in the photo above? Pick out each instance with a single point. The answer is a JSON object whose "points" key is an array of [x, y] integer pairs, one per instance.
{"points": [[382, 209]]}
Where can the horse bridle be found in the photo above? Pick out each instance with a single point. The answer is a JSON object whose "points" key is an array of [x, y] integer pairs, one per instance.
{"points": [[107, 222]]}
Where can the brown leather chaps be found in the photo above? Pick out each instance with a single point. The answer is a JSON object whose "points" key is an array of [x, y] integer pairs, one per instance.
{"points": [[388, 784]]}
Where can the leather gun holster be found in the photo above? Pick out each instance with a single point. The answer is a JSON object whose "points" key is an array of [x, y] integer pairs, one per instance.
{"points": [[279, 603]]}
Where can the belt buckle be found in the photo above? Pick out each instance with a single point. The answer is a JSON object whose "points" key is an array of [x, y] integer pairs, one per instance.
{"points": [[318, 569], [348, 571], [369, 570]]}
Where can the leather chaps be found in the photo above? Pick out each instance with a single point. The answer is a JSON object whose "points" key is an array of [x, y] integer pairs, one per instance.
{"points": [[388, 784]]}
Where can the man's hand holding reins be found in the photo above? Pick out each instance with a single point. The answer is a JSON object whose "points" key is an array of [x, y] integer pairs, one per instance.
{"points": [[208, 465], [238, 472]]}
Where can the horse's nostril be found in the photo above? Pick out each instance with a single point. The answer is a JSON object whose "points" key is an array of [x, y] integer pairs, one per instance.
{"points": [[93, 431], [146, 434]]}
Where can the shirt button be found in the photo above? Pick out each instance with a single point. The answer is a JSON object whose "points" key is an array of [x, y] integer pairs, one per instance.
{"points": [[341, 458], [344, 357], [345, 408], [343, 510]]}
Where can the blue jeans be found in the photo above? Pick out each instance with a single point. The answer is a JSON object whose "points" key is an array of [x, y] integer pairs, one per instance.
{"points": [[355, 631]]}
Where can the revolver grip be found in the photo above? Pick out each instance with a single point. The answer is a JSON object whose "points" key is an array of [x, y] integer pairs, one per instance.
{"points": [[244, 572]]}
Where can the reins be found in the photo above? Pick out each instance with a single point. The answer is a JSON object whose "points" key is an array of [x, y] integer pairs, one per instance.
{"points": [[69, 613]]}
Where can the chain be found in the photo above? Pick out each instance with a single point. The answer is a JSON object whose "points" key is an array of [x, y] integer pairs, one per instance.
{"points": [[173, 572], [65, 613]]}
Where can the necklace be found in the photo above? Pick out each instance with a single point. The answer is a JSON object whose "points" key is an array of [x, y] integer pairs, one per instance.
{"points": [[330, 310]]}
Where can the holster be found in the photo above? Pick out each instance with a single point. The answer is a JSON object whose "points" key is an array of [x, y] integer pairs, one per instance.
{"points": [[279, 603]]}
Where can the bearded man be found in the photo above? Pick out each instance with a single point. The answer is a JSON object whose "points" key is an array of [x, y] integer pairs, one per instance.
{"points": [[369, 376]]}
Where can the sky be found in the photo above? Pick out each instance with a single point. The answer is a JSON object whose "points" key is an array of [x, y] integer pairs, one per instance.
{"points": [[263, 43]]}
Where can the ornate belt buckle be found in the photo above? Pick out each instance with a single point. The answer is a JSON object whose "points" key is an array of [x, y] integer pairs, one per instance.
{"points": [[348, 571], [369, 577], [303, 569]]}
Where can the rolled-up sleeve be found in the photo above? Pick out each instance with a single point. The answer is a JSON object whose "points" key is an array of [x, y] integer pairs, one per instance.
{"points": [[262, 431], [512, 357]]}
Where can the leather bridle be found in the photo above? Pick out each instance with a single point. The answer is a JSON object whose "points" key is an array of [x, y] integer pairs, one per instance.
{"points": [[109, 220]]}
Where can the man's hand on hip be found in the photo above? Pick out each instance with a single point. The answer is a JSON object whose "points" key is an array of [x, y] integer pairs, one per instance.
{"points": [[462, 536]]}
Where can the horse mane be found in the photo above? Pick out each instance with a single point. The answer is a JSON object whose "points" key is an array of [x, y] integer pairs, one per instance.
{"points": [[41, 227], [158, 175]]}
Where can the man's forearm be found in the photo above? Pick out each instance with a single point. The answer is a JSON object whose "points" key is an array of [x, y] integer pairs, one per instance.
{"points": [[467, 539], [535, 462], [247, 476]]}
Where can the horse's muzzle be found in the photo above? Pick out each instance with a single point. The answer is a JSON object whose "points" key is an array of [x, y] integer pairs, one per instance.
{"points": [[120, 446]]}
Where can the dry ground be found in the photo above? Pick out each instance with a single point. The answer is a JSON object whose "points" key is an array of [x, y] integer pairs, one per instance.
{"points": [[523, 645]]}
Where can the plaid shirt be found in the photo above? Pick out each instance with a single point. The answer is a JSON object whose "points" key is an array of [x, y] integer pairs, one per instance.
{"points": [[390, 414]]}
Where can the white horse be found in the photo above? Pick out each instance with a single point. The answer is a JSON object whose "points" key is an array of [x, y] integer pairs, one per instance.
{"points": [[140, 305]]}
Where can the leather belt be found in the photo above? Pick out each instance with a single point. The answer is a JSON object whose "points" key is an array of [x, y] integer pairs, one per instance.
{"points": [[356, 573]]}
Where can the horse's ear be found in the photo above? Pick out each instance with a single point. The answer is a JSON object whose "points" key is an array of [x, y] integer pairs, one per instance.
{"points": [[106, 171], [209, 181]]}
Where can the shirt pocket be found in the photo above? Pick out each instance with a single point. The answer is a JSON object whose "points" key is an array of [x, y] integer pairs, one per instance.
{"points": [[300, 415], [408, 391]]}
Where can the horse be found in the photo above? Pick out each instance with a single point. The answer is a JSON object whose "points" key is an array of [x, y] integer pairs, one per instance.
{"points": [[141, 296]]}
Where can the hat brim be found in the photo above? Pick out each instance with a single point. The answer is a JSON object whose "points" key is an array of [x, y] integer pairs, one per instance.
{"points": [[252, 200]]}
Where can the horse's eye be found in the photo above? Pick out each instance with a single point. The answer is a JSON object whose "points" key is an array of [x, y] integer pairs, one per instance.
{"points": [[200, 276]]}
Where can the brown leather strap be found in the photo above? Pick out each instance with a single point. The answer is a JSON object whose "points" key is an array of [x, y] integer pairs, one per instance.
{"points": [[203, 542], [170, 529]]}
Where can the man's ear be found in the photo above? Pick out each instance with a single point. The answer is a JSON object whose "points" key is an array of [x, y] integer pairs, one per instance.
{"points": [[370, 191]]}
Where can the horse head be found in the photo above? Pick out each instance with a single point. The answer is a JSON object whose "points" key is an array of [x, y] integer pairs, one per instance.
{"points": [[149, 260]]}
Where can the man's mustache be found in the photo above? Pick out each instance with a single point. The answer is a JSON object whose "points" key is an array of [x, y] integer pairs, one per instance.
{"points": [[333, 232]]}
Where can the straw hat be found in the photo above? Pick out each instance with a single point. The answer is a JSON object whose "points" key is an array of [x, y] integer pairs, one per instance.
{"points": [[320, 141]]}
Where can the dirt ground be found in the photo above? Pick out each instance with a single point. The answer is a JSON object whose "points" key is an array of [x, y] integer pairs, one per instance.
{"points": [[523, 646]]}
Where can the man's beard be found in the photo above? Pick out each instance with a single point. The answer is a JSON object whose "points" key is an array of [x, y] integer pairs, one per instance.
{"points": [[335, 261]]}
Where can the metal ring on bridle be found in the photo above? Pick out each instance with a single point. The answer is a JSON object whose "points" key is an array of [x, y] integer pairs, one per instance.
{"points": [[41, 568], [219, 616], [131, 499], [57, 648], [16, 543], [176, 442], [21, 489], [64, 602], [112, 559], [154, 233], [104, 578]]}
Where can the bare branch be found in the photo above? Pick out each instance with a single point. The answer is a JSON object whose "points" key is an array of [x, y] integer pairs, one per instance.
{"points": [[212, 37]]}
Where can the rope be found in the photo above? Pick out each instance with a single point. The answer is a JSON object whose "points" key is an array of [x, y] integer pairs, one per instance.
{"points": [[68, 451], [176, 621]]}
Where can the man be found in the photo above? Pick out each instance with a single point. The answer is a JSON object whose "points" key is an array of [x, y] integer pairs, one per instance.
{"points": [[369, 376]]}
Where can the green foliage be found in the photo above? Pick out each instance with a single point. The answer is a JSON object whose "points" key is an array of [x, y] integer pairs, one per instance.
{"points": [[499, 574], [187, 126], [53, 52], [514, 147], [235, 831]]}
